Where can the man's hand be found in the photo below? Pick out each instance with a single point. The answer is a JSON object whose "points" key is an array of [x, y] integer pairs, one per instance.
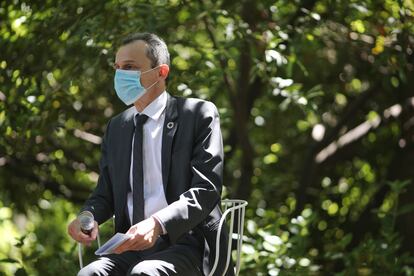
{"points": [[76, 234], [145, 234]]}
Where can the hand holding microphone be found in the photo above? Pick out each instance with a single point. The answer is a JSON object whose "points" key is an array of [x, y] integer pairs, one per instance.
{"points": [[84, 228]]}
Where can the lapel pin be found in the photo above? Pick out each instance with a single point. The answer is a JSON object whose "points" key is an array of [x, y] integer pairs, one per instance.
{"points": [[170, 125]]}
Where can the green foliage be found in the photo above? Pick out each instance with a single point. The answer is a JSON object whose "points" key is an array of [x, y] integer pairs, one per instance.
{"points": [[282, 244], [316, 107], [44, 247]]}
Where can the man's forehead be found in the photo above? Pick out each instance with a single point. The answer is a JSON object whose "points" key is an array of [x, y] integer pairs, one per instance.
{"points": [[134, 51]]}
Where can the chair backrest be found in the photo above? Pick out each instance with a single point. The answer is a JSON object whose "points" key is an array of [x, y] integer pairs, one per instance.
{"points": [[232, 208], [98, 239], [80, 250]]}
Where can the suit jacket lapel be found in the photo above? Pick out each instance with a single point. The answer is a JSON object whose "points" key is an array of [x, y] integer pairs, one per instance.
{"points": [[124, 157], [170, 128]]}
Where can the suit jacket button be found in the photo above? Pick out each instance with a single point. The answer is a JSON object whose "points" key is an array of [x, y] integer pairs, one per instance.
{"points": [[170, 125]]}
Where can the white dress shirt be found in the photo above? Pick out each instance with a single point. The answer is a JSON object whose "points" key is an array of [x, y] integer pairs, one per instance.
{"points": [[154, 195]]}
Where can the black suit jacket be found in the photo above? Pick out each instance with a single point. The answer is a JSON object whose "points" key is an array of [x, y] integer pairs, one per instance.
{"points": [[192, 166]]}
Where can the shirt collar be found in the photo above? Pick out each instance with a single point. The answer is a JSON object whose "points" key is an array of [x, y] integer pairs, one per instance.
{"points": [[155, 108]]}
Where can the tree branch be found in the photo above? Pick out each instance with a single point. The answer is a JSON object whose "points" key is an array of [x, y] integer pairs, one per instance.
{"points": [[229, 83]]}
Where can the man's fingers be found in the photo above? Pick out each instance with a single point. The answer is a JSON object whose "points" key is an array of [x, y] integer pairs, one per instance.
{"points": [[95, 231], [122, 248], [143, 243], [71, 229], [70, 232], [83, 241], [134, 243], [137, 243], [119, 249], [85, 237], [132, 230]]}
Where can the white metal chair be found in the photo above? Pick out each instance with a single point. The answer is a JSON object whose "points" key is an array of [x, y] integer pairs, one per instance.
{"points": [[231, 208], [97, 239], [80, 250]]}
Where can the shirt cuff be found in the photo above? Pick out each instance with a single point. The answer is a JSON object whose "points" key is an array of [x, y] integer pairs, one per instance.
{"points": [[164, 231]]}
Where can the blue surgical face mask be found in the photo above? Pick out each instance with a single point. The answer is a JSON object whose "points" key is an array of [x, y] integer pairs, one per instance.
{"points": [[128, 85]]}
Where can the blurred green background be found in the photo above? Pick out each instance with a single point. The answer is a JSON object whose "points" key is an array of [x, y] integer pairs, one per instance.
{"points": [[316, 100]]}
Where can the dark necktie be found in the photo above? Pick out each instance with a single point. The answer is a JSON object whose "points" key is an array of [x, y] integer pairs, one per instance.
{"points": [[138, 171]]}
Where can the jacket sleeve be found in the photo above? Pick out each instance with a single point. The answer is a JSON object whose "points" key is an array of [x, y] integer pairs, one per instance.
{"points": [[100, 203], [195, 205]]}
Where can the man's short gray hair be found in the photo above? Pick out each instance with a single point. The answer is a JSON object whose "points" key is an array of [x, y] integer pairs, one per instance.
{"points": [[157, 50]]}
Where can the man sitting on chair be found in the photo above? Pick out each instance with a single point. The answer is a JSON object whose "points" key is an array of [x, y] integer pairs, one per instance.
{"points": [[160, 172]]}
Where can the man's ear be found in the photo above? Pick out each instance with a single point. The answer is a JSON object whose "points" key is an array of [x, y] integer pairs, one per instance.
{"points": [[164, 70]]}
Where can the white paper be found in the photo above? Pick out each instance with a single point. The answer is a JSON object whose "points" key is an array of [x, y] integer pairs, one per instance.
{"points": [[112, 244]]}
